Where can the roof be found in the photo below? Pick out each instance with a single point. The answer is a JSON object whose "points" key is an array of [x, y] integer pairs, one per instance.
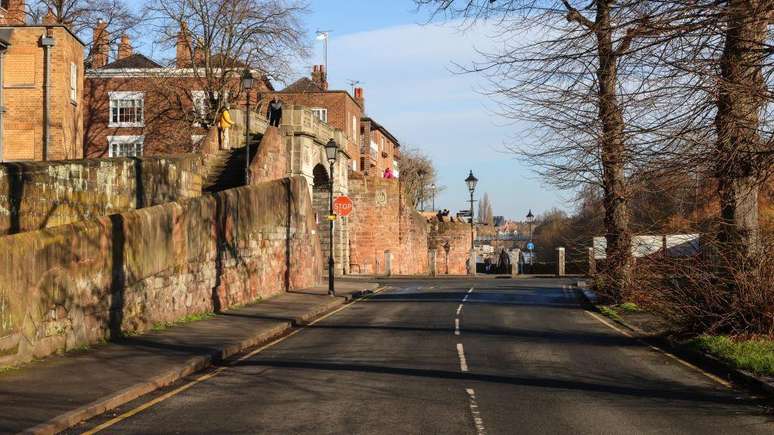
{"points": [[304, 84], [376, 126], [136, 60]]}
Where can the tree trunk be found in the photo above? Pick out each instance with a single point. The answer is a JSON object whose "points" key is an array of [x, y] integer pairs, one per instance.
{"points": [[740, 100], [618, 264]]}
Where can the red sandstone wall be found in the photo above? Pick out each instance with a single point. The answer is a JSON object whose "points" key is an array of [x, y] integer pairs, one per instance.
{"points": [[457, 234], [78, 284], [381, 222], [271, 162]]}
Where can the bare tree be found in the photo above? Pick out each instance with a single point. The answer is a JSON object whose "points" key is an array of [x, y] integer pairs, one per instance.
{"points": [[417, 174], [573, 70], [82, 16], [485, 214], [217, 40]]}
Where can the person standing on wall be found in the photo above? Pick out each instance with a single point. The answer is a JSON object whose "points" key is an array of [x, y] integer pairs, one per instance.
{"points": [[275, 113]]}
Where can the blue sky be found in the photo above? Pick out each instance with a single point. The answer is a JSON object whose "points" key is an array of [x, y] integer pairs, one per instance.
{"points": [[405, 67]]}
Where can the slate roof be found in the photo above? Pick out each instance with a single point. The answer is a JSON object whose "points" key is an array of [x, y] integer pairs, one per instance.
{"points": [[135, 61], [303, 85]]}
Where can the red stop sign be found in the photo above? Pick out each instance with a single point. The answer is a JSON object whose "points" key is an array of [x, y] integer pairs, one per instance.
{"points": [[343, 206]]}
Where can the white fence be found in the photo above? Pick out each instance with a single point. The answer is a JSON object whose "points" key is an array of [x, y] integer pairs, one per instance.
{"points": [[674, 245]]}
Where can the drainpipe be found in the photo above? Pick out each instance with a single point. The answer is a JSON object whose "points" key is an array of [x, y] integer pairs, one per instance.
{"points": [[47, 41], [2, 100]]}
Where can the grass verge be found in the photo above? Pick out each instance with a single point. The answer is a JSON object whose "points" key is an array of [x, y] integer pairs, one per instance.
{"points": [[611, 312], [187, 319], [755, 355]]}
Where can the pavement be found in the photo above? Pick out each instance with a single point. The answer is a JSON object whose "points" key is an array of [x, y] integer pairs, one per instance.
{"points": [[51, 395], [450, 356]]}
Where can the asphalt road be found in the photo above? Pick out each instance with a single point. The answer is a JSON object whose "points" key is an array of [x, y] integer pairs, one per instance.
{"points": [[525, 358]]}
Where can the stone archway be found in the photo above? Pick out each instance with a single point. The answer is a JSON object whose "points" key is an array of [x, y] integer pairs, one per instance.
{"points": [[321, 190]]}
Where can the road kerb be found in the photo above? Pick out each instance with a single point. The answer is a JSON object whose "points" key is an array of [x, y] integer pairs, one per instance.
{"points": [[191, 366]]}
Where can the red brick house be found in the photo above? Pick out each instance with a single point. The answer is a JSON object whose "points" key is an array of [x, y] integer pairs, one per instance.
{"points": [[337, 108], [379, 149], [40, 92], [136, 106]]}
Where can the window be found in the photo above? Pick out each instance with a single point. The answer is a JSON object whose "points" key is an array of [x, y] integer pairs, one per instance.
{"points": [[201, 104], [74, 83], [354, 165], [125, 146], [320, 113], [354, 128], [127, 109], [395, 168]]}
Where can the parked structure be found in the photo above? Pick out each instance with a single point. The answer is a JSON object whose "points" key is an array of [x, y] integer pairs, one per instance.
{"points": [[40, 89]]}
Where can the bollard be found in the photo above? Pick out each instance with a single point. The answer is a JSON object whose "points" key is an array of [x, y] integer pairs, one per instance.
{"points": [[431, 258], [515, 255], [388, 263], [559, 261]]}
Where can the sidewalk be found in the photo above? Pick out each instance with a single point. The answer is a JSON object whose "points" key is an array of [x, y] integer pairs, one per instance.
{"points": [[54, 394]]}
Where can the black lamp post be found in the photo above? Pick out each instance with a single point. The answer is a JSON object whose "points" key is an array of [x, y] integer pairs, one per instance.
{"points": [[471, 181], [331, 151], [447, 248], [530, 221], [432, 190], [247, 84]]}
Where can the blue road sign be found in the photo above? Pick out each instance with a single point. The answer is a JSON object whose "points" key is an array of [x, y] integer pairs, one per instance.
{"points": [[531, 246]]}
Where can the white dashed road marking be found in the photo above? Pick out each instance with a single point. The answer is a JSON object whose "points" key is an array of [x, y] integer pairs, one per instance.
{"points": [[459, 309], [456, 326], [463, 361], [477, 420]]}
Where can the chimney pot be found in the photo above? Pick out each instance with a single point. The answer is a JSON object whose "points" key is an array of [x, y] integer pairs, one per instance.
{"points": [[124, 47], [15, 13], [183, 48], [100, 45]]}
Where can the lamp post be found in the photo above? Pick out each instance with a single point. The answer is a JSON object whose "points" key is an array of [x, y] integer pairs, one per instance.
{"points": [[471, 181], [447, 248], [331, 150], [432, 190], [247, 84], [530, 221]]}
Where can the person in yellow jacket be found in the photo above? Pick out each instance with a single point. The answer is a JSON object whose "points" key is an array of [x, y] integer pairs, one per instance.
{"points": [[224, 124]]}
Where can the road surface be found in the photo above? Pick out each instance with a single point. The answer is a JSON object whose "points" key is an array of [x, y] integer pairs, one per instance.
{"points": [[451, 357]]}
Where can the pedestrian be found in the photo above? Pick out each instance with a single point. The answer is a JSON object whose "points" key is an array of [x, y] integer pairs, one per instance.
{"points": [[388, 173], [275, 112]]}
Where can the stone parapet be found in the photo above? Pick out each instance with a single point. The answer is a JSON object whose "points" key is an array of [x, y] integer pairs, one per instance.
{"points": [[35, 195], [76, 285]]}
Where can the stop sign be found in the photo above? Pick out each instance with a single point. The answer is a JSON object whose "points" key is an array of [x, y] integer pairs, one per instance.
{"points": [[342, 206]]}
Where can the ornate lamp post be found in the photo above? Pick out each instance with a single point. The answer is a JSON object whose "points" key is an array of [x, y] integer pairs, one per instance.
{"points": [[331, 151], [247, 84], [447, 248], [471, 181]]}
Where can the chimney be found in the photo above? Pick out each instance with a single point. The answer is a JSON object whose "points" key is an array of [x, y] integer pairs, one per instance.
{"points": [[320, 76], [360, 98], [50, 18], [100, 49], [124, 47], [183, 59], [14, 14]]}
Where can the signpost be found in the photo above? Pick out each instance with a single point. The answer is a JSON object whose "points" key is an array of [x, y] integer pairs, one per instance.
{"points": [[343, 206]]}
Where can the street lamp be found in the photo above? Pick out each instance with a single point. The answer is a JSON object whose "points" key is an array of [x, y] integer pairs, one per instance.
{"points": [[530, 221], [247, 84], [447, 248], [432, 189], [471, 181], [331, 150]]}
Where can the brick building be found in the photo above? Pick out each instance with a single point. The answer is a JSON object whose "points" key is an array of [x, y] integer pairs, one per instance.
{"points": [[379, 149], [337, 108], [136, 106], [40, 88]]}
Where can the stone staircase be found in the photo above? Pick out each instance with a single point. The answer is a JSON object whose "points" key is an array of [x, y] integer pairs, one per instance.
{"points": [[226, 168]]}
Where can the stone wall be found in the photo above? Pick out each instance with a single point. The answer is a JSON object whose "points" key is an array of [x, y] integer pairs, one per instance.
{"points": [[74, 285], [457, 235], [35, 195], [383, 222]]}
